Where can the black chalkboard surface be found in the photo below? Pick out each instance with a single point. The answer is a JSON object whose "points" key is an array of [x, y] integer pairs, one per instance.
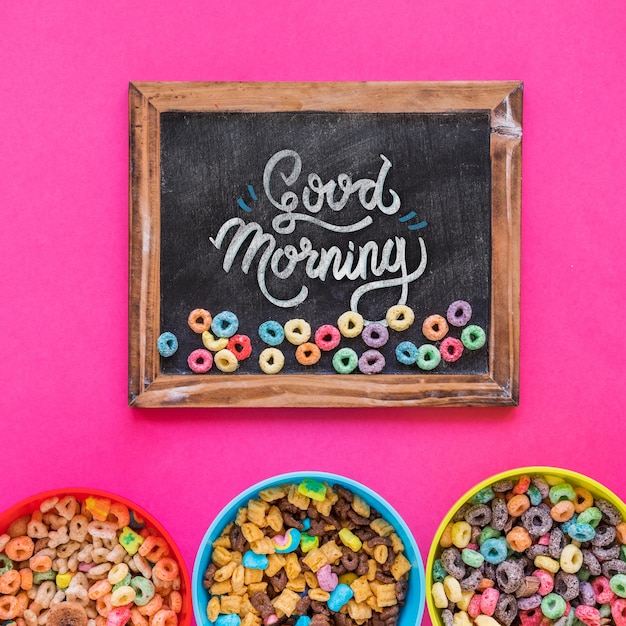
{"points": [[348, 199]]}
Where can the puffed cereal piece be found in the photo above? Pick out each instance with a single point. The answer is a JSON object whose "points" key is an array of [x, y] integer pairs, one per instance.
{"points": [[361, 589], [311, 580], [263, 546], [275, 562], [381, 527], [250, 619], [257, 510], [286, 601], [271, 494], [359, 612], [381, 553], [274, 518], [257, 587], [396, 543], [385, 594], [315, 559], [221, 556], [297, 499], [225, 572], [217, 589], [319, 595], [333, 552], [230, 604], [251, 576], [297, 584], [252, 532], [360, 506], [400, 566], [292, 566]]}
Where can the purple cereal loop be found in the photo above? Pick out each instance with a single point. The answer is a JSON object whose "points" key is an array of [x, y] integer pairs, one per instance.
{"points": [[526, 604], [371, 362], [375, 335], [459, 313], [587, 594]]}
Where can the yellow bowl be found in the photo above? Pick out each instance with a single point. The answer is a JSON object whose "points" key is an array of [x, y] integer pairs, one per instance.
{"points": [[553, 475]]}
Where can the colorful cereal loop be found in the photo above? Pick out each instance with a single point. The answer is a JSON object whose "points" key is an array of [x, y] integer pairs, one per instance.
{"points": [[345, 361], [435, 327], [271, 361], [167, 344], [375, 335], [225, 361], [400, 317], [371, 362], [459, 313], [214, 344], [297, 331], [308, 353], [200, 361], [199, 320], [225, 324], [350, 324], [327, 337], [240, 346], [271, 333], [451, 349], [428, 357], [473, 337], [406, 352]]}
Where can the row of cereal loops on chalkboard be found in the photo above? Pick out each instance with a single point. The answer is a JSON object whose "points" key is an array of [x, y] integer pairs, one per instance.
{"points": [[435, 328]]}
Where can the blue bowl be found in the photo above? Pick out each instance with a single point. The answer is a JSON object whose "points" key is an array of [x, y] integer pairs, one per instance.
{"points": [[410, 614]]}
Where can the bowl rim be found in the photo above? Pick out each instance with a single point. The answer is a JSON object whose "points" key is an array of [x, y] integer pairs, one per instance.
{"points": [[31, 503], [579, 479], [225, 515]]}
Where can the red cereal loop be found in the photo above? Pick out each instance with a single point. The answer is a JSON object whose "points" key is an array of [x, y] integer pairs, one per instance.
{"points": [[240, 346], [521, 486]]}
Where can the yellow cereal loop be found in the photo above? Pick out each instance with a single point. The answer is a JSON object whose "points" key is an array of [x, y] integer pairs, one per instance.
{"points": [[225, 361], [461, 534], [466, 598], [297, 331], [545, 562], [400, 317], [271, 361], [453, 590], [212, 343], [461, 618], [571, 559], [486, 620], [350, 324]]}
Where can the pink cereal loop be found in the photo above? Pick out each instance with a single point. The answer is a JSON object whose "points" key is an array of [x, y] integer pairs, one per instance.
{"points": [[588, 614], [618, 611], [546, 581], [602, 588], [489, 600]]}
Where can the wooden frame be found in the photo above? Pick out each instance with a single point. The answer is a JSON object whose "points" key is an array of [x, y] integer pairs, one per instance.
{"points": [[148, 387]]}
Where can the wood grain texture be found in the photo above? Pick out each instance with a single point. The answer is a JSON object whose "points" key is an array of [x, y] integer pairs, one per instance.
{"points": [[149, 388]]}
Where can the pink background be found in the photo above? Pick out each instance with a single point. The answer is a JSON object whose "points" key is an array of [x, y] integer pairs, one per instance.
{"points": [[64, 243]]}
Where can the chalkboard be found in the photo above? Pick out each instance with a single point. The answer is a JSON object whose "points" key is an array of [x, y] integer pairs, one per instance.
{"points": [[305, 201]]}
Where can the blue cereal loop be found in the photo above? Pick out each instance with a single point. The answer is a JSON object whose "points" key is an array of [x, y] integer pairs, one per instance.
{"points": [[406, 352], [534, 495], [494, 550], [167, 344], [581, 532], [225, 324], [271, 333]]}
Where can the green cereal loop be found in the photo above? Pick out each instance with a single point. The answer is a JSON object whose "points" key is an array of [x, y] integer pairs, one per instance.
{"points": [[473, 337], [591, 516], [144, 590], [483, 496], [605, 610], [39, 577], [428, 357], [123, 583], [345, 361], [562, 491], [472, 557], [553, 606], [618, 585], [439, 572], [5, 563], [488, 533], [583, 574]]}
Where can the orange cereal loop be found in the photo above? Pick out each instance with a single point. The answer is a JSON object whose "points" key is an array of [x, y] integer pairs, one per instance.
{"points": [[519, 539], [151, 607], [20, 548], [308, 353], [40, 563], [9, 607], [435, 327], [562, 511], [136, 618], [164, 617], [522, 484], [99, 589], [119, 514], [165, 569], [485, 583], [199, 320], [26, 575], [154, 548], [103, 605], [582, 500], [23, 600], [518, 504], [620, 532], [10, 582], [446, 536], [175, 601]]}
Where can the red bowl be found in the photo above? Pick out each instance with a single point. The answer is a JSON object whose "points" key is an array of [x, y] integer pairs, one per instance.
{"points": [[32, 503]]}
